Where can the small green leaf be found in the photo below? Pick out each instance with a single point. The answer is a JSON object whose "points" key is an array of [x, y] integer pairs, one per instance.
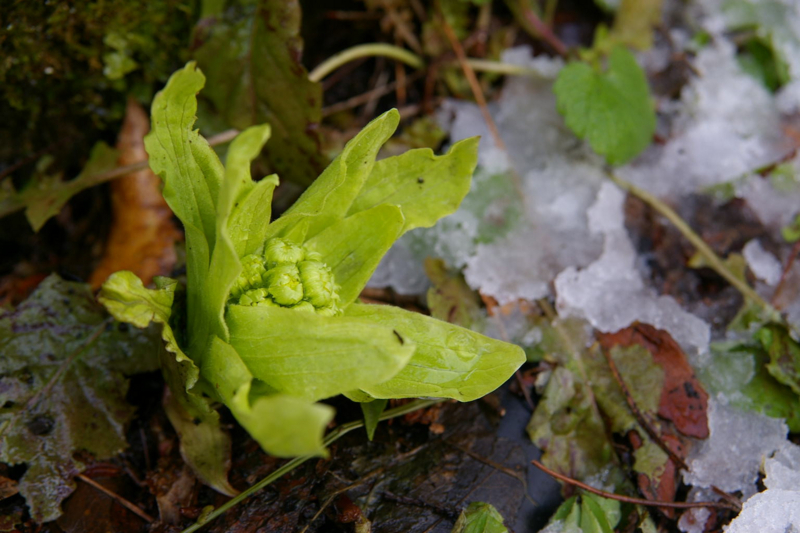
{"points": [[329, 198], [354, 246], [598, 515], [284, 425], [479, 517], [784, 355], [612, 109], [204, 445], [449, 362], [225, 265], [372, 413], [62, 388], [315, 357], [587, 513], [426, 187], [568, 428], [247, 224]]}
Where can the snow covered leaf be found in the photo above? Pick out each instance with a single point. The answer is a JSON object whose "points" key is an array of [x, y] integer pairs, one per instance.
{"points": [[611, 109], [479, 517], [63, 388], [784, 355], [251, 53]]}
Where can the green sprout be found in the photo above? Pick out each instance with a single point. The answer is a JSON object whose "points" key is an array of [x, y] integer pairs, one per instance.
{"points": [[273, 323]]}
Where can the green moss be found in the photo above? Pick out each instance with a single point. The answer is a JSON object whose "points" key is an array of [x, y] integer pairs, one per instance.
{"points": [[67, 67]]}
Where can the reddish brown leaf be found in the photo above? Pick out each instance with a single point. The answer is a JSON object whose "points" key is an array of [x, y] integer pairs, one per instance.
{"points": [[142, 233], [683, 399]]}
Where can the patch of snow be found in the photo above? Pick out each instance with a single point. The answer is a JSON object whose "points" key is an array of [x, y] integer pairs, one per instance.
{"points": [[778, 508], [773, 511], [738, 442], [401, 270], [610, 292], [774, 206], [556, 178], [764, 265], [726, 126]]}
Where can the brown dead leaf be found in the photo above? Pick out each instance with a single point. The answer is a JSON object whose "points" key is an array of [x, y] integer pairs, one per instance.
{"points": [[142, 235], [683, 399], [8, 487]]}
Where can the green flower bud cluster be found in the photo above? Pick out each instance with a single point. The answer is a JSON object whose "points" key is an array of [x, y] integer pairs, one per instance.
{"points": [[286, 275]]}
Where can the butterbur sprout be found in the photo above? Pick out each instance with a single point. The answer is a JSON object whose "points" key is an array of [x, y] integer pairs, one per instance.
{"points": [[273, 320]]}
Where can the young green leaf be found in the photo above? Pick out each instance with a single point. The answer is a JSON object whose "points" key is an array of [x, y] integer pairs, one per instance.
{"points": [[192, 175], [331, 356], [354, 246], [372, 413], [329, 198], [479, 517], [611, 109], [62, 388], [449, 361], [284, 425], [426, 187], [784, 355]]}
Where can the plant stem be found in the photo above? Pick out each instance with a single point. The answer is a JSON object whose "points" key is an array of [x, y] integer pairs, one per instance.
{"points": [[713, 260], [498, 67], [329, 439], [365, 50]]}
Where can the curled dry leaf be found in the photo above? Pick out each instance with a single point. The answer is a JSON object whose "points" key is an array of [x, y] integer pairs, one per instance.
{"points": [[142, 234]]}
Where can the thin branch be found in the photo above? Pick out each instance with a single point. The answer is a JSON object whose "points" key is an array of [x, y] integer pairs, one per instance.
{"points": [[628, 499], [122, 501], [365, 50], [639, 415], [332, 437], [363, 98], [474, 85], [545, 32], [713, 260]]}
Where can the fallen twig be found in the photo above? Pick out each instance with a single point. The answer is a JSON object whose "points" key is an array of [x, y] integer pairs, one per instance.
{"points": [[122, 501], [629, 499], [639, 415]]}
